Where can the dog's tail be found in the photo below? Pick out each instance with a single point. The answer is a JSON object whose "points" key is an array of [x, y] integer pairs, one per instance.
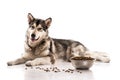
{"points": [[99, 56]]}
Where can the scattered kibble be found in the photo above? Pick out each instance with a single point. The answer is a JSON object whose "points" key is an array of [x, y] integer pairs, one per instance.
{"points": [[55, 69]]}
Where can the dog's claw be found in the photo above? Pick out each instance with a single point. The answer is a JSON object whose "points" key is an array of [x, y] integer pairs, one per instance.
{"points": [[9, 64]]}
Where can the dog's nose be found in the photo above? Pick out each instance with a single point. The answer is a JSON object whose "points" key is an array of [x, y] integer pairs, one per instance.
{"points": [[33, 35]]}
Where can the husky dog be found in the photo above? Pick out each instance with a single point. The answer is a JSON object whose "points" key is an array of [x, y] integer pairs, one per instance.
{"points": [[42, 49]]}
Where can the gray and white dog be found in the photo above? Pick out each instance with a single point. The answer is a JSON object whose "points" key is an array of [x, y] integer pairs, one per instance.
{"points": [[42, 49]]}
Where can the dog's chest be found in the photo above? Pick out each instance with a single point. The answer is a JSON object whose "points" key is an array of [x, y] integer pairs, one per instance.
{"points": [[41, 52]]}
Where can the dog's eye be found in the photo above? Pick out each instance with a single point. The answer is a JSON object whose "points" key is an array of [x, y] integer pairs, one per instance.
{"points": [[32, 27], [39, 29]]}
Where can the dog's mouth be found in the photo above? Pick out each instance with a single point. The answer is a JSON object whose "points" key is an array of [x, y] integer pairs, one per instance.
{"points": [[33, 39]]}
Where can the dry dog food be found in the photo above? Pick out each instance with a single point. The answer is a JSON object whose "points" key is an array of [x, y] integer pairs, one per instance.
{"points": [[54, 69], [82, 58]]}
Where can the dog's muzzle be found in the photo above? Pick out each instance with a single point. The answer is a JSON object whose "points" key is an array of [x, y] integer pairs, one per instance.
{"points": [[33, 37]]}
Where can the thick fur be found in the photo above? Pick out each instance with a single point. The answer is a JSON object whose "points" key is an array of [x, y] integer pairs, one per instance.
{"points": [[42, 49]]}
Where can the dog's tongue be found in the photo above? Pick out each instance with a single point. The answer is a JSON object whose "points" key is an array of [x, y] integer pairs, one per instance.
{"points": [[33, 39]]}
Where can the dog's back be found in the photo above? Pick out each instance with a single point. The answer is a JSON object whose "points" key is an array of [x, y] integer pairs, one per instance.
{"points": [[68, 48]]}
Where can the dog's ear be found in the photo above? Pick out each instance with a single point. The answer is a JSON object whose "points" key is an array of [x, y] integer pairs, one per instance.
{"points": [[48, 22], [30, 18]]}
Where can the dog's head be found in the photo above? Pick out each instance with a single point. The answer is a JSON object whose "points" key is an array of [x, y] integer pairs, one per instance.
{"points": [[38, 30]]}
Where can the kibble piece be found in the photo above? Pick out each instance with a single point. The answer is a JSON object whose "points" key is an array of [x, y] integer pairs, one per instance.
{"points": [[37, 67], [25, 68], [63, 70], [71, 72], [47, 70], [55, 71]]}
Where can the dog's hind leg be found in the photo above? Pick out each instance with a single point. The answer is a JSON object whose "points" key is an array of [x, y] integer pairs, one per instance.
{"points": [[75, 51], [99, 56]]}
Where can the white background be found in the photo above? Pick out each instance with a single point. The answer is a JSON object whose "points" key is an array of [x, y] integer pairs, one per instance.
{"points": [[95, 23]]}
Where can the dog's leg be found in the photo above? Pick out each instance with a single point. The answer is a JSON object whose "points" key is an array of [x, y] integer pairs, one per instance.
{"points": [[39, 61], [17, 61], [75, 51], [99, 56], [25, 57]]}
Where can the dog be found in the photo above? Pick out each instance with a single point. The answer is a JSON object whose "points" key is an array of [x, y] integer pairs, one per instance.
{"points": [[40, 49]]}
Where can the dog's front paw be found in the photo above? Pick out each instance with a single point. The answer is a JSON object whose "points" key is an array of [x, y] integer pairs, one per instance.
{"points": [[10, 63], [28, 63], [32, 63]]}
